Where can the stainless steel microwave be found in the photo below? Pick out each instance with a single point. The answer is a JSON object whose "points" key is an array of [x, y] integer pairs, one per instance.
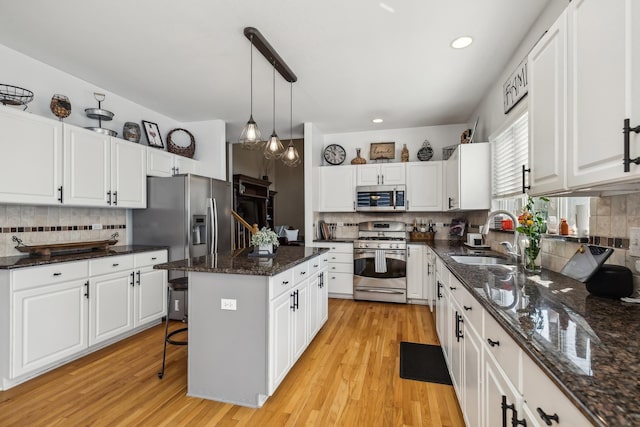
{"points": [[381, 198]]}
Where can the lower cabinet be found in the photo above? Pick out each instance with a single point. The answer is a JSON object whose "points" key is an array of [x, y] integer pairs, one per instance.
{"points": [[318, 301], [502, 402], [339, 281], [415, 271]]}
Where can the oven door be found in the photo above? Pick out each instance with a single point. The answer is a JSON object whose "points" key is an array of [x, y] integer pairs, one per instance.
{"points": [[372, 285]]}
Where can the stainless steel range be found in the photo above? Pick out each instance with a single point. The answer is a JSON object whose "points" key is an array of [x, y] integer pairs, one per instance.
{"points": [[380, 262]]}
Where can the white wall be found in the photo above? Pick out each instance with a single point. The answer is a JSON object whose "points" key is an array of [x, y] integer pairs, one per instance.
{"points": [[491, 110], [438, 136], [314, 140]]}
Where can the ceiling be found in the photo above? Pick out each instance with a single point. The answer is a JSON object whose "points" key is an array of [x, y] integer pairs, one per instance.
{"points": [[355, 60]]}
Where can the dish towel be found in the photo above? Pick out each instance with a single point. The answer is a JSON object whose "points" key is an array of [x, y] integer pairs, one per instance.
{"points": [[380, 261]]}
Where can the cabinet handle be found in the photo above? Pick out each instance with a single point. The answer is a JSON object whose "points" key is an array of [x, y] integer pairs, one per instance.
{"points": [[153, 258], [458, 329], [177, 171], [450, 203], [115, 197], [548, 418], [285, 282], [453, 288], [626, 130], [382, 179], [504, 407], [57, 274], [293, 301], [525, 187], [297, 300], [493, 343], [466, 308], [109, 197], [115, 264], [86, 294], [408, 251], [439, 287], [138, 279], [60, 193], [132, 278]]}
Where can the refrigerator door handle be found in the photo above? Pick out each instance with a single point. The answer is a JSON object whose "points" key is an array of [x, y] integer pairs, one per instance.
{"points": [[213, 226]]}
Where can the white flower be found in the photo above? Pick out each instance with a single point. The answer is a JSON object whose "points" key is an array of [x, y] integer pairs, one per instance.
{"points": [[265, 237]]}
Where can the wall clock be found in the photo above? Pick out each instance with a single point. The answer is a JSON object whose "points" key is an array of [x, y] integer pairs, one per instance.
{"points": [[334, 154]]}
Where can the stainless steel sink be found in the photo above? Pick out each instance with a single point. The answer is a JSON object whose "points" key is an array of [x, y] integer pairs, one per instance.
{"points": [[478, 260]]}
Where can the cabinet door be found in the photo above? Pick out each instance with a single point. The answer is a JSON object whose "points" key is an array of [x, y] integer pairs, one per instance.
{"points": [[31, 148], [49, 324], [424, 186], [160, 162], [337, 189], [452, 193], [368, 175], [547, 67], [186, 165], [87, 168], [150, 295], [497, 386], [340, 283], [128, 174], [111, 306], [474, 176], [392, 173], [324, 297], [429, 277], [414, 271], [280, 359], [600, 41], [300, 323], [314, 306], [472, 382]]}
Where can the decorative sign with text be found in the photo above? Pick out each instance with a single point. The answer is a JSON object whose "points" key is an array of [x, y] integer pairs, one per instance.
{"points": [[382, 151], [516, 86]]}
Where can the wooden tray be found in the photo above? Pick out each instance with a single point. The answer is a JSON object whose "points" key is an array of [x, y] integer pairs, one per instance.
{"points": [[47, 250]]}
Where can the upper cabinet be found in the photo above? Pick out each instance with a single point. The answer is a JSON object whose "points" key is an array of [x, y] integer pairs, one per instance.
{"points": [[31, 148], [468, 179], [337, 188], [380, 174], [163, 163], [581, 113], [424, 186]]}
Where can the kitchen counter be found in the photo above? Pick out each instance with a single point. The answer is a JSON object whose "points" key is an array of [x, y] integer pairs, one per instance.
{"points": [[239, 262], [586, 344], [21, 261], [345, 240]]}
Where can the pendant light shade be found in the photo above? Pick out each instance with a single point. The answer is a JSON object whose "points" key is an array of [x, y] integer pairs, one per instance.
{"points": [[250, 138], [273, 149], [291, 157]]}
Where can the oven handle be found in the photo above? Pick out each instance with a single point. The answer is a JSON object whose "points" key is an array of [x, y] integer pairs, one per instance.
{"points": [[380, 291], [373, 251]]}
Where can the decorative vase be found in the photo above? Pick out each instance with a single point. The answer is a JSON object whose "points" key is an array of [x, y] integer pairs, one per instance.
{"points": [[404, 155], [60, 106], [131, 132], [265, 249], [531, 257], [358, 160]]}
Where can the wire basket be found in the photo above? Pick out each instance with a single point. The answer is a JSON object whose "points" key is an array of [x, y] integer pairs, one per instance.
{"points": [[187, 151], [448, 151], [14, 95]]}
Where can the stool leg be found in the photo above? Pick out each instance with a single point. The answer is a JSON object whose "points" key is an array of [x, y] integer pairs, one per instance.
{"points": [[166, 333]]}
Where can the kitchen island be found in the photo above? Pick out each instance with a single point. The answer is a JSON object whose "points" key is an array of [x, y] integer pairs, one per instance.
{"points": [[250, 319]]}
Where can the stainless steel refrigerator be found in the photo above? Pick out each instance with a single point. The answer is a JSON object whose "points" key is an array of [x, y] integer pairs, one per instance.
{"points": [[188, 213]]}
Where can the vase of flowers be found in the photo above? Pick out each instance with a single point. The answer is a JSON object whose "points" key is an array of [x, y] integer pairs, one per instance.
{"points": [[265, 240], [531, 224]]}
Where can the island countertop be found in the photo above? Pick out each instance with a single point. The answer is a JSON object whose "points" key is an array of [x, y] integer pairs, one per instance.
{"points": [[239, 261]]}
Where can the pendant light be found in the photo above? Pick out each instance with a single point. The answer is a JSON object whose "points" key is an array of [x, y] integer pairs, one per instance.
{"points": [[250, 136], [273, 149], [291, 157]]}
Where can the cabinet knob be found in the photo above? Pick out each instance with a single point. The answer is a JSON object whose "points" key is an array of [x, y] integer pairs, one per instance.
{"points": [[493, 343], [57, 274], [466, 308], [115, 264], [548, 418]]}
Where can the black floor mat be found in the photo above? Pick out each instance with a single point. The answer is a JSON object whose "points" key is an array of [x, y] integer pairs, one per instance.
{"points": [[423, 362]]}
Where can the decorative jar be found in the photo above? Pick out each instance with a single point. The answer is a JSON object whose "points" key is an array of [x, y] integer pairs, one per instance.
{"points": [[358, 160]]}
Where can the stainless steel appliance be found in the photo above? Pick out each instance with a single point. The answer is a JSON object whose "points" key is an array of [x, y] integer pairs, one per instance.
{"points": [[191, 215], [380, 262], [381, 198]]}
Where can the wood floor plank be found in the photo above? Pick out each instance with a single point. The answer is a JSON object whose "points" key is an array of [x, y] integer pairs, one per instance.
{"points": [[349, 376]]}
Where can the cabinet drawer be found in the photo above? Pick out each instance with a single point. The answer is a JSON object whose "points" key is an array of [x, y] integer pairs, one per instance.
{"points": [[340, 283], [334, 247], [149, 258], [48, 274], [341, 258], [300, 272], [314, 265], [505, 350], [110, 264], [341, 268], [280, 283]]}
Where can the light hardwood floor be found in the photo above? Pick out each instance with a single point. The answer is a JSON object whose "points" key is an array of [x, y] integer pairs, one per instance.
{"points": [[348, 376]]}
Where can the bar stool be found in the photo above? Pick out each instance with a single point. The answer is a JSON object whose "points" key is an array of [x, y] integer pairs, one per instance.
{"points": [[179, 284]]}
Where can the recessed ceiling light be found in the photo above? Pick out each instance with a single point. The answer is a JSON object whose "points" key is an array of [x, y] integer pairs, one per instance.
{"points": [[377, 120], [461, 42]]}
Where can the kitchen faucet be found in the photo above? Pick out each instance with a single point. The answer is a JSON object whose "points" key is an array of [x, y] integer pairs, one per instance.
{"points": [[510, 249]]}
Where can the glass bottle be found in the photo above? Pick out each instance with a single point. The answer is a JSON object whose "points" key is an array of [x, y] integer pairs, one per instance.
{"points": [[564, 227]]}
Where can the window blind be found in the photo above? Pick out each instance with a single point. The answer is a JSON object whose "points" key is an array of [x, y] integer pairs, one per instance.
{"points": [[509, 152]]}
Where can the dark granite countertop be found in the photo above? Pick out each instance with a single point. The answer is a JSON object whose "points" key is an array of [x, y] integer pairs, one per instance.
{"points": [[239, 262], [344, 240], [10, 262], [587, 345]]}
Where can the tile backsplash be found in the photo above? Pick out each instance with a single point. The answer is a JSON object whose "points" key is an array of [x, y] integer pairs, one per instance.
{"points": [[57, 224]]}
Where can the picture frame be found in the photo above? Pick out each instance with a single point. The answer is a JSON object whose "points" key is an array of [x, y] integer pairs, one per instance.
{"points": [[382, 151], [152, 132], [516, 86]]}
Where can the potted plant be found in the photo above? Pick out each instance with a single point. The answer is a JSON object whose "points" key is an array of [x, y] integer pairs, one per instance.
{"points": [[265, 239]]}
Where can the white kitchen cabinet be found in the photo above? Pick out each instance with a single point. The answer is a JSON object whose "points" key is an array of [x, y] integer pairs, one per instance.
{"points": [[415, 271], [468, 179], [300, 325], [318, 296], [429, 276], [31, 148], [281, 356], [340, 268], [547, 67], [471, 386], [111, 306], [337, 188], [498, 394], [424, 186], [163, 163], [102, 171], [186, 165], [150, 297], [380, 174]]}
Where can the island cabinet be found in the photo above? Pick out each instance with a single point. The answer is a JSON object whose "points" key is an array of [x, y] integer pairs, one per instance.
{"points": [[57, 312], [246, 331]]}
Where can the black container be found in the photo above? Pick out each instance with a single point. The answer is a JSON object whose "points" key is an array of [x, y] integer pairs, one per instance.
{"points": [[612, 281]]}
